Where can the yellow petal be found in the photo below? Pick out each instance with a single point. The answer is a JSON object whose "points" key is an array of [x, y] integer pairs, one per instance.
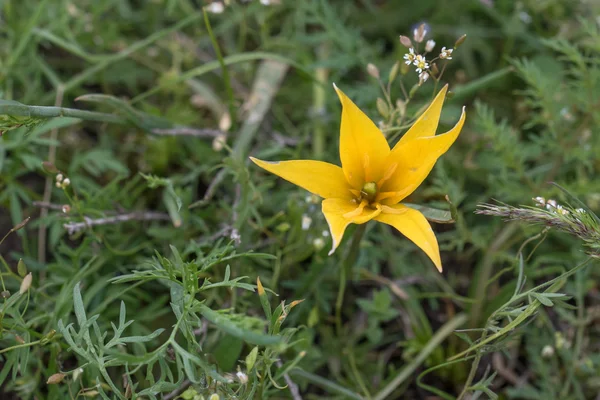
{"points": [[415, 159], [334, 211], [427, 123], [363, 148], [321, 178], [412, 224]]}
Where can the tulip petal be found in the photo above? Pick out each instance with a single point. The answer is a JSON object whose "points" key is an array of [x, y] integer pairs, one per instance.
{"points": [[321, 178], [415, 159], [339, 213], [363, 148], [412, 224], [427, 123]]}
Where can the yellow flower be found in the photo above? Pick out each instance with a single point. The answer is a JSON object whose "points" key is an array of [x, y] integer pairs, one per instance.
{"points": [[374, 179]]}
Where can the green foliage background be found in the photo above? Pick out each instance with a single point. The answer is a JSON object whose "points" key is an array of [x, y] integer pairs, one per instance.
{"points": [[529, 75]]}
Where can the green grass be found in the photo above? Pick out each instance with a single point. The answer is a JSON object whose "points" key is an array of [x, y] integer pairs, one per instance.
{"points": [[151, 110]]}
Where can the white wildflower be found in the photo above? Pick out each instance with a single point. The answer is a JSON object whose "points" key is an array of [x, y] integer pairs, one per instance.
{"points": [[410, 56], [59, 177], [216, 7], [540, 201], [580, 210], [550, 204], [421, 63], [318, 243], [547, 351], [423, 76], [446, 54], [242, 377]]}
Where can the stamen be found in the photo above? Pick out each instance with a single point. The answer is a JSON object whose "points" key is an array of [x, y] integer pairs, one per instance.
{"points": [[357, 211], [387, 195], [388, 174], [391, 210]]}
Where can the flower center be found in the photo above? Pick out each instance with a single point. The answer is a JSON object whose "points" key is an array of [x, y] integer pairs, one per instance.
{"points": [[369, 192]]}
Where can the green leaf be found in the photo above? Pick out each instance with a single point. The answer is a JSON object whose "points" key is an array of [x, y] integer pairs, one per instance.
{"points": [[433, 214], [542, 298], [226, 325]]}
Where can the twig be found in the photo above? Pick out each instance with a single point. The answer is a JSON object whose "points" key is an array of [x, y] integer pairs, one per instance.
{"points": [[74, 227], [49, 206], [184, 385], [294, 390], [48, 184], [186, 131]]}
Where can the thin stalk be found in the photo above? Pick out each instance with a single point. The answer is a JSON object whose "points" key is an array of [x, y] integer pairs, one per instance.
{"points": [[486, 271], [319, 96], [345, 268], [226, 80], [22, 110], [326, 384], [446, 330]]}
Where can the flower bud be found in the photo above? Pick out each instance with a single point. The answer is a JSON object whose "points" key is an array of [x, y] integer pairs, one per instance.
{"points": [[5, 294], [219, 142], [406, 42], [460, 41], [383, 108], [394, 72], [429, 45], [225, 122], [373, 70], [26, 284], [20, 225], [22, 268], [77, 373], [420, 33], [56, 378]]}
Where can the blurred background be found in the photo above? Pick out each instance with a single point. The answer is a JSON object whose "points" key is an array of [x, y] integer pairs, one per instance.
{"points": [[179, 99]]}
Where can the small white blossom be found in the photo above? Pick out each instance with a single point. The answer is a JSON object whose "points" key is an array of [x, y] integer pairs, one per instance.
{"points": [[318, 243], [550, 204], [423, 76], [429, 45], [561, 210], [580, 210], [547, 351], [446, 54], [410, 56], [306, 221], [59, 178], [540, 201], [66, 182], [325, 233], [421, 63], [216, 7], [242, 377]]}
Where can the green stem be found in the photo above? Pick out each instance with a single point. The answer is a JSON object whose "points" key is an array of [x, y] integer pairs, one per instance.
{"points": [[22, 110], [319, 96], [485, 272], [446, 330], [326, 384], [345, 268], [226, 79], [19, 346]]}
